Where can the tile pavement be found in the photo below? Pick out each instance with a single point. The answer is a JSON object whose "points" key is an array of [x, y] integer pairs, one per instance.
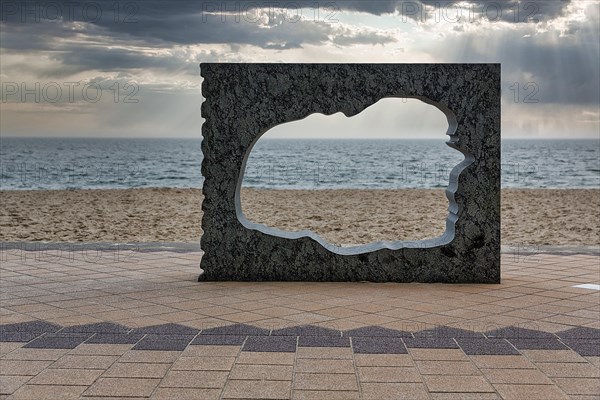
{"points": [[137, 325]]}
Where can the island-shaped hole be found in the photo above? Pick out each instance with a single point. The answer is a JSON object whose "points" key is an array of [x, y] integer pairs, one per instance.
{"points": [[377, 176]]}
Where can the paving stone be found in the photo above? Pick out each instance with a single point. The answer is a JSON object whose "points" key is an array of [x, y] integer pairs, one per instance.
{"points": [[472, 346], [36, 354], [37, 326], [115, 338], [163, 342], [583, 386], [323, 341], [122, 387], [530, 392], [325, 394], [270, 343], [73, 377], [211, 351], [457, 383], [186, 394], [19, 336], [247, 389], [383, 360], [569, 370], [376, 331], [204, 363], [465, 396], [100, 327], [513, 332], [554, 356], [438, 354], [389, 374], [330, 353], [380, 345], [427, 367], [262, 372], [306, 330], [219, 340], [448, 332], [236, 330], [195, 379], [58, 341], [312, 365], [10, 383], [84, 362], [132, 370], [266, 358], [394, 391], [168, 329], [47, 392], [516, 376], [487, 361], [22, 367], [430, 343], [150, 356], [303, 381], [580, 333], [584, 347], [538, 344]]}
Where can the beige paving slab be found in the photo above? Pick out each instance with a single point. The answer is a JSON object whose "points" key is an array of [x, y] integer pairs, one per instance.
{"points": [[36, 354], [7, 347], [10, 383], [311, 365], [553, 356], [321, 395], [149, 356], [211, 351], [569, 370], [101, 349], [584, 386], [122, 387], [393, 391], [465, 396], [73, 377], [389, 374], [204, 363], [438, 354], [262, 372], [304, 381], [428, 367], [325, 352], [383, 360], [457, 383], [186, 394], [270, 358], [495, 361], [47, 392], [87, 362], [134, 370], [530, 392], [195, 379], [22, 367], [247, 389], [516, 376]]}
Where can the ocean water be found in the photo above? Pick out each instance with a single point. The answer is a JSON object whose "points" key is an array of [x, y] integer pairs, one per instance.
{"points": [[58, 163]]}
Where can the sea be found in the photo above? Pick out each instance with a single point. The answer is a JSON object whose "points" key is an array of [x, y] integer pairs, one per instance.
{"points": [[86, 163]]}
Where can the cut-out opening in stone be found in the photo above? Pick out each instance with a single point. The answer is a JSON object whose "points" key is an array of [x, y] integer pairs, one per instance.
{"points": [[441, 175]]}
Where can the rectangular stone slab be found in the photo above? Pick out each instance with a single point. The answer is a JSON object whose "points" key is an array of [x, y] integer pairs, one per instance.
{"points": [[243, 101]]}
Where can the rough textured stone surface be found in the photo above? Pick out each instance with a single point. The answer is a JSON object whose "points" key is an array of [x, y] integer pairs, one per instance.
{"points": [[243, 101]]}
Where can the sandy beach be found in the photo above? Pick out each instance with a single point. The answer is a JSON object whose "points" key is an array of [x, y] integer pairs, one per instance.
{"points": [[343, 217]]}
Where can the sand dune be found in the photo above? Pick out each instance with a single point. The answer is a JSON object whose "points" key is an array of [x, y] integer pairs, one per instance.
{"points": [[529, 216]]}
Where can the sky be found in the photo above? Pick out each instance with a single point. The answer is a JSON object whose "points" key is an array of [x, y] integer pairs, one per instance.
{"points": [[109, 68]]}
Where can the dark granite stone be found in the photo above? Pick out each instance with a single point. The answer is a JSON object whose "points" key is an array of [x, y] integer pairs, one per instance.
{"points": [[323, 341], [31, 326], [537, 344], [164, 342], [306, 330], [271, 343], [431, 343], [448, 332], [378, 345], [100, 327], [368, 331], [472, 346], [167, 329], [58, 341], [584, 347], [580, 332], [237, 329], [243, 101], [115, 338], [219, 340], [519, 333]]}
